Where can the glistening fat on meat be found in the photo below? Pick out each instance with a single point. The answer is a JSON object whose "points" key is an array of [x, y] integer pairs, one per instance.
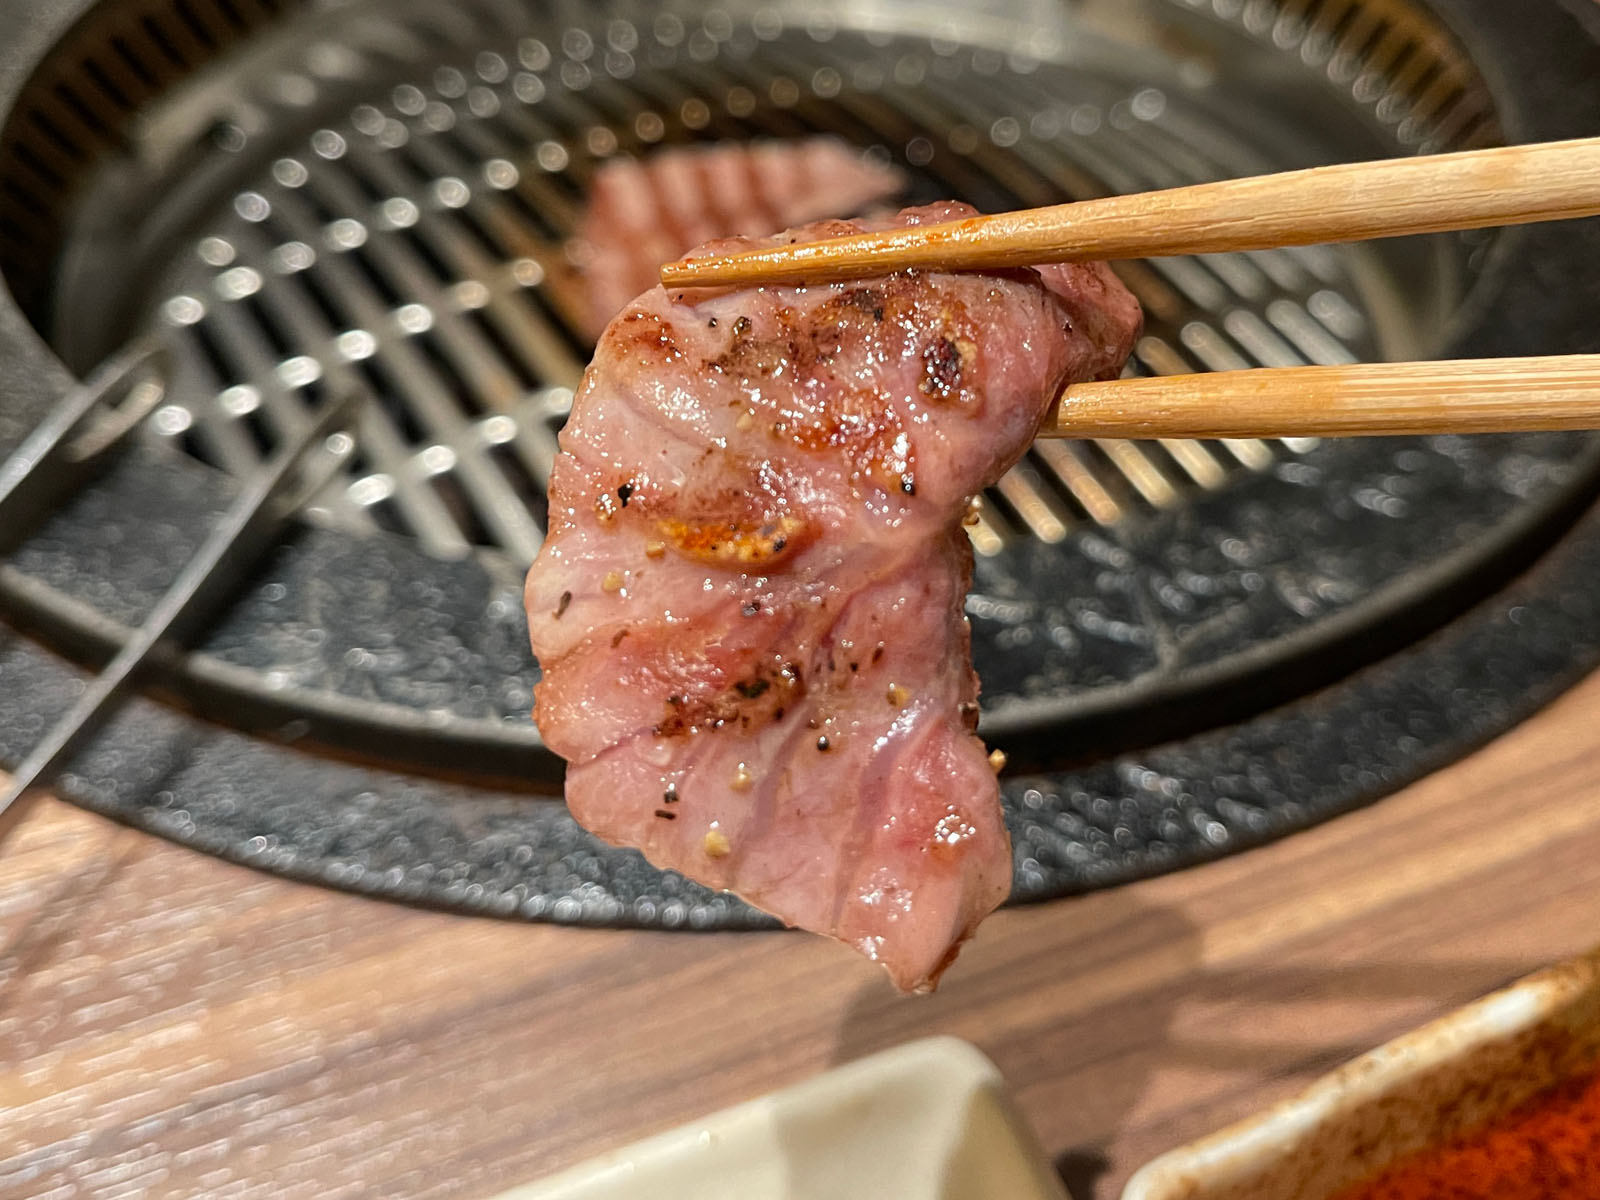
{"points": [[749, 608]]}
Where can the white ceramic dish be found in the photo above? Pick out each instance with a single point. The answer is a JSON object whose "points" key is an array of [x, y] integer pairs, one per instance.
{"points": [[1419, 1090], [926, 1121]]}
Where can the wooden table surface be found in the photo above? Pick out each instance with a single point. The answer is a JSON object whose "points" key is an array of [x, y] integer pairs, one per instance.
{"points": [[171, 1025]]}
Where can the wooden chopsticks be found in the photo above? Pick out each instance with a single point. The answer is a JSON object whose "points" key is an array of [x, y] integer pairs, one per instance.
{"points": [[1504, 186], [1489, 395], [1507, 185]]}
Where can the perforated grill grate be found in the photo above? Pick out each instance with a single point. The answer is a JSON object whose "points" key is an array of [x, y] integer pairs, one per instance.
{"points": [[323, 203], [416, 245]]}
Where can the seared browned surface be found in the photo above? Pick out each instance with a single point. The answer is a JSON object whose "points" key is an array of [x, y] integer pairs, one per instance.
{"points": [[173, 1024], [748, 610]]}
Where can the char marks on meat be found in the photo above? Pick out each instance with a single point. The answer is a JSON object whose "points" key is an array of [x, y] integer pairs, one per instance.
{"points": [[643, 212], [749, 608]]}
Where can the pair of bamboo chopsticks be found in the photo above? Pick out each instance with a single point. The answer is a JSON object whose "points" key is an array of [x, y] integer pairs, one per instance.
{"points": [[1509, 185]]}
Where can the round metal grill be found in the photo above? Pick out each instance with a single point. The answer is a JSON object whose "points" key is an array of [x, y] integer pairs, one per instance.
{"points": [[1185, 647], [417, 242]]}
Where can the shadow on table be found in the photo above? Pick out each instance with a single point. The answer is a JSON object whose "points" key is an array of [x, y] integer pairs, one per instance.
{"points": [[1073, 961], [1075, 1002]]}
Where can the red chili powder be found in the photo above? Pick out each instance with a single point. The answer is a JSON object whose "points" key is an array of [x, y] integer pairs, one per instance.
{"points": [[1547, 1150]]}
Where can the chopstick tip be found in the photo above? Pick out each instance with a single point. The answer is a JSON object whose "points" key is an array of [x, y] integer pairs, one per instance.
{"points": [[679, 273]]}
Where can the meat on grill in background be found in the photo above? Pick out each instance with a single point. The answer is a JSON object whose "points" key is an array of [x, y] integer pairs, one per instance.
{"points": [[749, 607], [642, 213]]}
